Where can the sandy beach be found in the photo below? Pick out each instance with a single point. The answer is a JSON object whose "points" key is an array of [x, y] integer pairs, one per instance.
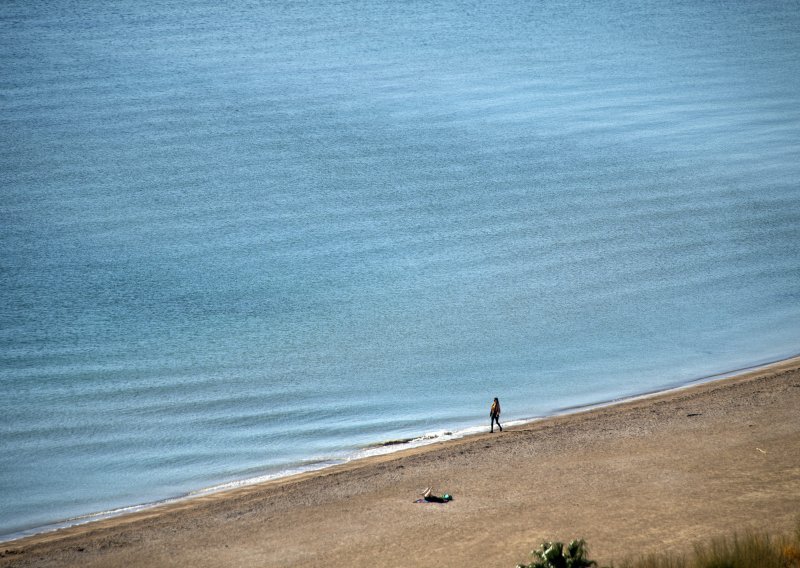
{"points": [[652, 474]]}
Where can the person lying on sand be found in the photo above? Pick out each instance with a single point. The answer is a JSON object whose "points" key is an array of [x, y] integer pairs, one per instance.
{"points": [[431, 498]]}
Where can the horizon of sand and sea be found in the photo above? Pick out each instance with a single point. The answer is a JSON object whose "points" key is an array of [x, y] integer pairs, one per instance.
{"points": [[240, 240]]}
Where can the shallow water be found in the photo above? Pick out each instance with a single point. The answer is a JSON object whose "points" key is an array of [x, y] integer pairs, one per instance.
{"points": [[238, 240]]}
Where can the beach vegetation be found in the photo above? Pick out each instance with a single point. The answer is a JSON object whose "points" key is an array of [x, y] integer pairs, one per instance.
{"points": [[749, 550], [556, 555]]}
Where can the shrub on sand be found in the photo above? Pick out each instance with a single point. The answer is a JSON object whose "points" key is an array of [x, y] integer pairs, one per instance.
{"points": [[751, 550], [555, 555]]}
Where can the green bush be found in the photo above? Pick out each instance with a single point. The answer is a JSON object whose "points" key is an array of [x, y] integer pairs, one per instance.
{"points": [[555, 555]]}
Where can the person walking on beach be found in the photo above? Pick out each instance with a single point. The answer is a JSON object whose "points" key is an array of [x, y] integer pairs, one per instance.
{"points": [[494, 415]]}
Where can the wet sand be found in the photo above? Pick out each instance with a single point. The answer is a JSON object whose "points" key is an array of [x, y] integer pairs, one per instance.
{"points": [[647, 475]]}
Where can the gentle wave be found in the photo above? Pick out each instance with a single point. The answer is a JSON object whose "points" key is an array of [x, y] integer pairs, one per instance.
{"points": [[370, 450]]}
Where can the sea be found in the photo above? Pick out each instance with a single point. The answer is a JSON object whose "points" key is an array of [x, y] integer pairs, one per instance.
{"points": [[244, 239]]}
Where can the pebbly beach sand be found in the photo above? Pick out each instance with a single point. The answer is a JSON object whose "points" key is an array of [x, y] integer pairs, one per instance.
{"points": [[651, 474]]}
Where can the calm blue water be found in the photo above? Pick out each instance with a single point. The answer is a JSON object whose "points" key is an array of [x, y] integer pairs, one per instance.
{"points": [[243, 238]]}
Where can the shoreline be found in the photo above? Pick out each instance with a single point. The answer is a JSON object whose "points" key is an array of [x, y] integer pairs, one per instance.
{"points": [[647, 474], [690, 383], [375, 451], [651, 474]]}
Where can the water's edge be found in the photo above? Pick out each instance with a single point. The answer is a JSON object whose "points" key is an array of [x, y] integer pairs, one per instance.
{"points": [[388, 447]]}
